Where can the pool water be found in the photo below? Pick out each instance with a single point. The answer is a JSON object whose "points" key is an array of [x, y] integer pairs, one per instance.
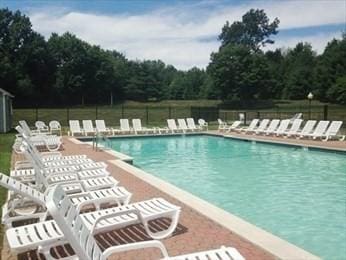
{"points": [[296, 194]]}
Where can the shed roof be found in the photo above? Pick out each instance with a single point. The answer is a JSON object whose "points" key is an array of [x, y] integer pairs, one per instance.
{"points": [[4, 92]]}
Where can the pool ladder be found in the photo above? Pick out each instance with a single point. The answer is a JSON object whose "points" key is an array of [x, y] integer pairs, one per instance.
{"points": [[97, 138]]}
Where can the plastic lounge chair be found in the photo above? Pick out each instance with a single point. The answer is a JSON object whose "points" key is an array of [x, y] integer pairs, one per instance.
{"points": [[296, 116], [271, 128], [332, 131], [75, 128], [172, 126], [28, 131], [41, 127], [54, 126], [101, 128], [182, 125], [68, 225], [137, 127], [282, 127], [125, 126], [233, 126], [25, 195], [252, 126], [307, 129], [203, 124], [319, 130], [262, 126], [222, 125], [295, 128], [191, 125], [88, 127]]}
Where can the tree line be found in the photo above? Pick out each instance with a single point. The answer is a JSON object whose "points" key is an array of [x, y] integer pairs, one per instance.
{"points": [[65, 70]]}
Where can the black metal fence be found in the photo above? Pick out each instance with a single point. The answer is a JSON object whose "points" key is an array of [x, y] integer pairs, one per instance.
{"points": [[151, 115]]}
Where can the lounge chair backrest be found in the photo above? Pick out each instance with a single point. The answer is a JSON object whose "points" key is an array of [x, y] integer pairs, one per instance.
{"points": [[221, 123], [74, 126], [137, 124], [263, 125], [307, 129], [182, 123], [124, 125], [201, 121], [54, 125], [321, 128], [25, 127], [273, 125], [40, 125], [171, 124], [236, 124], [100, 125], [88, 126], [22, 189], [283, 126], [71, 224], [295, 125], [191, 123], [334, 128], [253, 124]]}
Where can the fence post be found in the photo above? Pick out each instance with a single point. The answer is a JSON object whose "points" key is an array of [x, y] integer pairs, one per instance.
{"points": [[67, 116], [147, 114], [96, 112], [325, 112], [36, 114], [169, 112], [122, 111], [244, 117], [258, 114]]}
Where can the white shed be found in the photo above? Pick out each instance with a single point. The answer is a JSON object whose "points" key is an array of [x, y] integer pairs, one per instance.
{"points": [[6, 111]]}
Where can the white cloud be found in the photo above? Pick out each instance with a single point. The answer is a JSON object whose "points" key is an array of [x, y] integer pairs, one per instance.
{"points": [[177, 35]]}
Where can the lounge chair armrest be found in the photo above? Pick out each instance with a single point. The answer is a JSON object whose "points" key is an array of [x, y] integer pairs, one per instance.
{"points": [[134, 246], [115, 214], [51, 154], [97, 201], [22, 165]]}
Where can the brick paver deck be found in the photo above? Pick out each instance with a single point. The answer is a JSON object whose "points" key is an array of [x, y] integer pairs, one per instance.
{"points": [[195, 232]]}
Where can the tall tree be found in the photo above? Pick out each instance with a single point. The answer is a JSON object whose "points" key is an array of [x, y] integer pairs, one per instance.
{"points": [[253, 31]]}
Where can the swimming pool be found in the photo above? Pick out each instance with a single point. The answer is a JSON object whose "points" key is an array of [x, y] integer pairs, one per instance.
{"points": [[296, 194]]}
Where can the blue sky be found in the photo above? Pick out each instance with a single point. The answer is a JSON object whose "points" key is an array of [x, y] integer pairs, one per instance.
{"points": [[181, 33]]}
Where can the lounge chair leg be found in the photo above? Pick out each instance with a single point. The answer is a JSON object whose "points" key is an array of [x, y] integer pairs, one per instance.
{"points": [[164, 233]]}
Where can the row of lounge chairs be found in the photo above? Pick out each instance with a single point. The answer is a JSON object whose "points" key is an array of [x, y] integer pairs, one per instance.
{"points": [[137, 128], [56, 190], [324, 130]]}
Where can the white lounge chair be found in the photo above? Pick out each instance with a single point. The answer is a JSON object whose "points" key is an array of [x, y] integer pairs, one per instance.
{"points": [[182, 125], [307, 129], [271, 128], [50, 142], [125, 126], [41, 127], [296, 116], [68, 224], [203, 124], [137, 127], [172, 126], [222, 125], [332, 131], [295, 128], [233, 126], [319, 130], [191, 125], [88, 127], [282, 127], [75, 128], [54, 126], [101, 128], [249, 128], [23, 195], [262, 126]]}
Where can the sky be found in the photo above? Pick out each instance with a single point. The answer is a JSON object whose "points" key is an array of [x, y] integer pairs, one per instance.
{"points": [[180, 33]]}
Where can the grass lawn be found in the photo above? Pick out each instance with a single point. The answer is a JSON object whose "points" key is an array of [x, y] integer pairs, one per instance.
{"points": [[6, 142]]}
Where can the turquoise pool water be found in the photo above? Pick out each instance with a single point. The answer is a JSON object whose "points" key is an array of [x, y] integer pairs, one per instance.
{"points": [[296, 194]]}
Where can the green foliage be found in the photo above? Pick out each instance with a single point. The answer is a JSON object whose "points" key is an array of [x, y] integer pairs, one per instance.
{"points": [[67, 71], [253, 31], [337, 92]]}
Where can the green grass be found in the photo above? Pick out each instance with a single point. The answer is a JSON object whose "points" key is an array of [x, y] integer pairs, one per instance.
{"points": [[6, 142]]}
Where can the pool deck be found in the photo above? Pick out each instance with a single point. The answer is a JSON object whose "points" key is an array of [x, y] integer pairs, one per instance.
{"points": [[195, 232], [198, 230]]}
